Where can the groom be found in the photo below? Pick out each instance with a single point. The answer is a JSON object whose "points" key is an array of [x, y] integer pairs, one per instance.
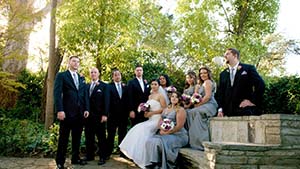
{"points": [[138, 92], [241, 89]]}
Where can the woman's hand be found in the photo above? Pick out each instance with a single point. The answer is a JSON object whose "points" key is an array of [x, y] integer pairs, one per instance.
{"points": [[164, 132], [148, 114]]}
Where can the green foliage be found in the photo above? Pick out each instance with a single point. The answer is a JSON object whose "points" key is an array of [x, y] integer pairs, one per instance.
{"points": [[29, 97], [109, 34], [20, 137], [8, 86], [282, 95]]}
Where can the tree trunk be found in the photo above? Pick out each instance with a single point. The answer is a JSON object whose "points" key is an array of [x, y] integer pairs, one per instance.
{"points": [[53, 67], [21, 21]]}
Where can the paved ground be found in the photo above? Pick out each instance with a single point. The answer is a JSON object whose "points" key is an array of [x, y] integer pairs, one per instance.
{"points": [[115, 162]]}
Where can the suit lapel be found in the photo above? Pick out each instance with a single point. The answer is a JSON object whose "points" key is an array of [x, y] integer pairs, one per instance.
{"points": [[238, 73], [138, 83], [69, 76]]}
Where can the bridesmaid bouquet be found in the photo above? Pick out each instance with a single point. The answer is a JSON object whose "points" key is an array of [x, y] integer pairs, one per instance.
{"points": [[186, 98], [171, 89], [143, 107], [167, 124], [196, 98]]}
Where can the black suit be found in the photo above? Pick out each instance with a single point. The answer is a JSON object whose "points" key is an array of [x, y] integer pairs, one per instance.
{"points": [[118, 114], [247, 85], [93, 125], [73, 102], [137, 96]]}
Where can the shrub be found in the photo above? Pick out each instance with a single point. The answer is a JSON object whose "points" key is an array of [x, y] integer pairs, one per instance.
{"points": [[282, 95]]}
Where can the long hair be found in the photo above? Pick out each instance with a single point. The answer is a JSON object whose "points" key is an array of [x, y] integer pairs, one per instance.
{"points": [[193, 75], [168, 81], [209, 73], [178, 105]]}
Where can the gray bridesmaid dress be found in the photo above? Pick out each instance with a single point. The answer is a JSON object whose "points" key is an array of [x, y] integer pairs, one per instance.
{"points": [[162, 150], [198, 120]]}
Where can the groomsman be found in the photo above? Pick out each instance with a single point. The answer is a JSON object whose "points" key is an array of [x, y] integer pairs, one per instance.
{"points": [[95, 123], [117, 106], [72, 105], [241, 89], [137, 93]]}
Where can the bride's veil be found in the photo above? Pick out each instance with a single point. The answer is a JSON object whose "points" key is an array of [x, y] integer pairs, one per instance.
{"points": [[164, 93]]}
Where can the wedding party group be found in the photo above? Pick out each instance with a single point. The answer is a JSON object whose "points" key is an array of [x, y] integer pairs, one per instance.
{"points": [[162, 120]]}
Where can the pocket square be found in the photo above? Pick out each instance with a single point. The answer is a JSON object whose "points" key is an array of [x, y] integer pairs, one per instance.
{"points": [[244, 73], [99, 90]]}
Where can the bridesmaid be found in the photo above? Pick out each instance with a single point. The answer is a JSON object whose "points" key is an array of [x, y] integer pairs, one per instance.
{"points": [[162, 148], [190, 88], [198, 117]]}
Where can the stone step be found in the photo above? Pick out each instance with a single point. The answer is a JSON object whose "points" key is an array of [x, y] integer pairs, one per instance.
{"points": [[230, 155]]}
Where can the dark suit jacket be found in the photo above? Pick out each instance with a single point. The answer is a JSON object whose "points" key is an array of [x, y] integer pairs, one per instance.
{"points": [[136, 95], [247, 85], [117, 107], [67, 98], [98, 100]]}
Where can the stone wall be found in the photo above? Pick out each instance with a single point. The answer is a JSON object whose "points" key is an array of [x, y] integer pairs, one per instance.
{"points": [[280, 129], [250, 142], [251, 156]]}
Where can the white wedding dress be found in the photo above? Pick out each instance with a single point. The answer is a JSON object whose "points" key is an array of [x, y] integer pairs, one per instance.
{"points": [[133, 145]]}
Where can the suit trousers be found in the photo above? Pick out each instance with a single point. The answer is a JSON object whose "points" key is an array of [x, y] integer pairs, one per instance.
{"points": [[94, 127], [66, 126], [112, 125]]}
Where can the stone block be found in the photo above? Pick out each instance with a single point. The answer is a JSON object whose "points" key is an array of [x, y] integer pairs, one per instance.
{"points": [[221, 159], [290, 140]]}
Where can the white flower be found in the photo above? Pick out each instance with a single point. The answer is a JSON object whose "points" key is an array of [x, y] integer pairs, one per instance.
{"points": [[218, 60]]}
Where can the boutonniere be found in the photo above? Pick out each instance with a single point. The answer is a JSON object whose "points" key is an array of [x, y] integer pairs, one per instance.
{"points": [[123, 84], [227, 70], [145, 81], [97, 83], [239, 67]]}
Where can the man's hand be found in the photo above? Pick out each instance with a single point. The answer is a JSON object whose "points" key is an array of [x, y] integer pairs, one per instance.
{"points": [[103, 119], [61, 115], [132, 114], [86, 114], [220, 114], [246, 103]]}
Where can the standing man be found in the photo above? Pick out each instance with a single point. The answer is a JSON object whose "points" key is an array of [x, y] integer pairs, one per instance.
{"points": [[117, 106], [241, 89], [95, 123], [71, 103], [138, 93]]}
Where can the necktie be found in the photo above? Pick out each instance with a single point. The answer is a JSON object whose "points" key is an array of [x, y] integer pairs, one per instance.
{"points": [[92, 88], [231, 76], [76, 80], [119, 89], [141, 84]]}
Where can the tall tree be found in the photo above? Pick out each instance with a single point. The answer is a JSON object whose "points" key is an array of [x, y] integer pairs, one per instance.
{"points": [[242, 24], [55, 59], [114, 33], [22, 17]]}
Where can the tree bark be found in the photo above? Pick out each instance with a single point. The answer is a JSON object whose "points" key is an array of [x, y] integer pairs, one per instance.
{"points": [[54, 63], [21, 21]]}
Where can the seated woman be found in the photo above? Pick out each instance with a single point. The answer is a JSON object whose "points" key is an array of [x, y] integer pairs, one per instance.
{"points": [[162, 148], [133, 145], [197, 117]]}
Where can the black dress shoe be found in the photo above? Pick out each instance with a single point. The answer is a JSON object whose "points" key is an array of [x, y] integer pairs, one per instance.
{"points": [[89, 158], [79, 161], [101, 161], [59, 166]]}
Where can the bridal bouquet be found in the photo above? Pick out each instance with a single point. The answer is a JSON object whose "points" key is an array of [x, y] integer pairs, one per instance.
{"points": [[171, 89], [167, 124], [143, 107], [196, 98], [186, 98]]}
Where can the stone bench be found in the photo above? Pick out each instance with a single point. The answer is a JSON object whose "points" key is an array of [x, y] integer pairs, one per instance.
{"points": [[258, 142]]}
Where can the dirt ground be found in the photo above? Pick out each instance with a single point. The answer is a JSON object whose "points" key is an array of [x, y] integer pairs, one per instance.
{"points": [[115, 162]]}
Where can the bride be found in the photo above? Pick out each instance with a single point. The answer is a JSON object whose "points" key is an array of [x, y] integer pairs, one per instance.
{"points": [[133, 145]]}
